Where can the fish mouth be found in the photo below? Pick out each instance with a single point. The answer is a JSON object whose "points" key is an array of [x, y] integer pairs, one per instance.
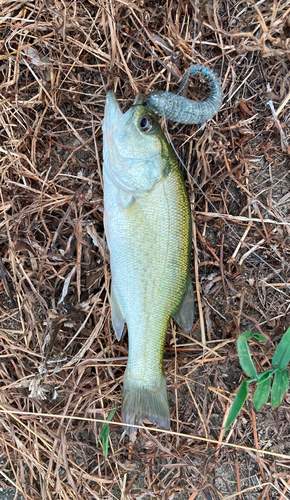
{"points": [[139, 100], [113, 112], [114, 117], [118, 125]]}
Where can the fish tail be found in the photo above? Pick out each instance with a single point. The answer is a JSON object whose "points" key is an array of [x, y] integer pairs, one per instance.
{"points": [[141, 402]]}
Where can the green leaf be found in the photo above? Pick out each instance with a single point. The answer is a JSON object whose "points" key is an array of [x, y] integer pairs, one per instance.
{"points": [[264, 376], [262, 393], [246, 361], [105, 434], [279, 388], [238, 402], [247, 335], [281, 356], [258, 336], [106, 440]]}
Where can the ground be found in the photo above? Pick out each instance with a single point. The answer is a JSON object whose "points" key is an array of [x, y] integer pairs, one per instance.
{"points": [[61, 367]]}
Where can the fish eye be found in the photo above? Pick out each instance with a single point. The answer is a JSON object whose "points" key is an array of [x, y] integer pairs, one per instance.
{"points": [[146, 124]]}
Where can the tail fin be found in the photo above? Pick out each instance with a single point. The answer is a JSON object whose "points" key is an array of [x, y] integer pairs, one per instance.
{"points": [[141, 402]]}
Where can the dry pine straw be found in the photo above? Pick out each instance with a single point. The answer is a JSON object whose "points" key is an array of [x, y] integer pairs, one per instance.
{"points": [[61, 367]]}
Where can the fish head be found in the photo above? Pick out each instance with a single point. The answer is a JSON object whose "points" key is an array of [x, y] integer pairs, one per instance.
{"points": [[136, 152]]}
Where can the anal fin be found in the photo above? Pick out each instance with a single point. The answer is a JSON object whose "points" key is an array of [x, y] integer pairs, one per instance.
{"points": [[117, 316], [184, 316]]}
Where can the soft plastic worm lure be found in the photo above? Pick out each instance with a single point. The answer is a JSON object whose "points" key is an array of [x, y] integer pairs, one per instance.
{"points": [[183, 110]]}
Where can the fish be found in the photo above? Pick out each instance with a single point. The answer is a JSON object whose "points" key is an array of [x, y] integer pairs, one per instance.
{"points": [[147, 221], [180, 109]]}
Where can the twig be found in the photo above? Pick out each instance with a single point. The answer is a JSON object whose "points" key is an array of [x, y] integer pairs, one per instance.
{"points": [[4, 275], [284, 140]]}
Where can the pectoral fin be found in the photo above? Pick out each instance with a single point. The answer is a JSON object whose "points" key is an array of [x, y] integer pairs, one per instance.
{"points": [[117, 316], [184, 316]]}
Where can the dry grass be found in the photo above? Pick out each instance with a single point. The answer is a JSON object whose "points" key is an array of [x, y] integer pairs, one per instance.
{"points": [[61, 367]]}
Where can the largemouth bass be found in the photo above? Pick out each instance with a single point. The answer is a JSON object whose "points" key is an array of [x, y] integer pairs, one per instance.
{"points": [[148, 229]]}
